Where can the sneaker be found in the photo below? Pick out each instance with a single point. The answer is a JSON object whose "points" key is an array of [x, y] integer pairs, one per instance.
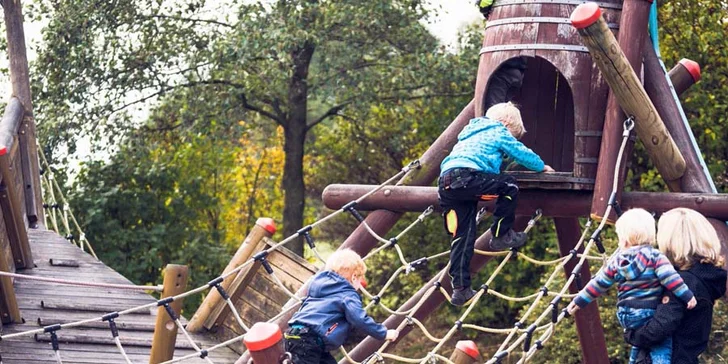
{"points": [[461, 295], [511, 239]]}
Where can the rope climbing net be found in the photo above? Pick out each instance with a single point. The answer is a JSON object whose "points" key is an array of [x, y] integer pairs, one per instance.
{"points": [[58, 210], [520, 335]]}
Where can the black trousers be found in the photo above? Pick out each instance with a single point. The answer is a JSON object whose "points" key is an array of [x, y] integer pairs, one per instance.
{"points": [[459, 190], [308, 350], [505, 82]]}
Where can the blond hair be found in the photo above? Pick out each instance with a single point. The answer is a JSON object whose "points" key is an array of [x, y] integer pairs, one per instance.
{"points": [[346, 263], [685, 237], [635, 227], [509, 115]]}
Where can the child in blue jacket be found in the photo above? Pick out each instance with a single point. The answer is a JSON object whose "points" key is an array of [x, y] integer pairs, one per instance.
{"points": [[641, 272], [471, 173], [331, 309]]}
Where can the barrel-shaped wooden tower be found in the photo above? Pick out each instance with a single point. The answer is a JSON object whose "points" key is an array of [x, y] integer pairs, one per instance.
{"points": [[563, 99]]}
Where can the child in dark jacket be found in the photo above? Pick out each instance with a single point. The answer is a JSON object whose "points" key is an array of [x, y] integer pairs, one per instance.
{"points": [[692, 244], [471, 173], [641, 272], [331, 309]]}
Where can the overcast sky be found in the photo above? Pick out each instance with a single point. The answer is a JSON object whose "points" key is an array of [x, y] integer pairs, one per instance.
{"points": [[452, 16]]}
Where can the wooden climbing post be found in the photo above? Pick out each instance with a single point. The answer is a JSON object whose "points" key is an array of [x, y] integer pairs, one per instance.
{"points": [[264, 228], [628, 90], [668, 105], [165, 329], [632, 35], [466, 352], [265, 343], [19, 78], [685, 74]]}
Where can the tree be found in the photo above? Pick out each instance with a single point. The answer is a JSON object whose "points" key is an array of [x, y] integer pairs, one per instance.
{"points": [[295, 63]]}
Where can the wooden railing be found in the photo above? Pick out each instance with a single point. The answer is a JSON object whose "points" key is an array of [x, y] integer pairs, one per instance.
{"points": [[14, 222]]}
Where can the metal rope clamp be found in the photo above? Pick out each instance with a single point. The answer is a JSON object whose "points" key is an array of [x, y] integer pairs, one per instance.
{"points": [[628, 126]]}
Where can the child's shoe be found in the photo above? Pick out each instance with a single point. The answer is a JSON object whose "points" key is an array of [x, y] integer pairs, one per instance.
{"points": [[460, 295], [511, 239]]}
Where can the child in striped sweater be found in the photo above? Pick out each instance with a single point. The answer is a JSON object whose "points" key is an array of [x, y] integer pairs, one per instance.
{"points": [[640, 272]]}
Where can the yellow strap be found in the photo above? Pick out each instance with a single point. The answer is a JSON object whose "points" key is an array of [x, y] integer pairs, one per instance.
{"points": [[485, 3], [295, 337]]}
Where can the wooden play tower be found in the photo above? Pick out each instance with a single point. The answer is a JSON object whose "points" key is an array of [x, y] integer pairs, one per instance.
{"points": [[589, 68]]}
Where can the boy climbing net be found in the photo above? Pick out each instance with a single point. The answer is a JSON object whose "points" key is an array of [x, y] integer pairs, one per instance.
{"points": [[471, 173]]}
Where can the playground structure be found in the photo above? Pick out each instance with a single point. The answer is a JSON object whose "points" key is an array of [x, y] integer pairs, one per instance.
{"points": [[575, 123]]}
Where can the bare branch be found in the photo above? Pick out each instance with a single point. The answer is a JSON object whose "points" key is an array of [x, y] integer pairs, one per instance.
{"points": [[331, 112], [192, 20]]}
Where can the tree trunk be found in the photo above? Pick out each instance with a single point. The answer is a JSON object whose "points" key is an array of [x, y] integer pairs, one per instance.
{"points": [[295, 137]]}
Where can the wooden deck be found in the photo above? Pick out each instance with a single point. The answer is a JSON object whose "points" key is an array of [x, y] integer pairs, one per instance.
{"points": [[43, 304]]}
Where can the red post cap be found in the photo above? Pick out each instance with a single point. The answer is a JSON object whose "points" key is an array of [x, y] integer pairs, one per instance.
{"points": [[3, 150], [267, 223], [692, 67], [468, 347], [262, 335], [585, 15]]}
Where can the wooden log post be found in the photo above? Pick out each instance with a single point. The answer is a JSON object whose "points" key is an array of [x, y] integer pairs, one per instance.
{"points": [[466, 352], [11, 186], [668, 105], [697, 177], [588, 323], [165, 329], [19, 77], [628, 90], [685, 74], [632, 35], [265, 343], [381, 221], [264, 228]]}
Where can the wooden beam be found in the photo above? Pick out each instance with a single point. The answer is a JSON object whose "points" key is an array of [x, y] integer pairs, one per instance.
{"points": [[588, 322], [11, 186], [165, 329], [264, 228], [628, 90], [632, 34], [668, 106], [381, 221], [552, 203], [19, 77]]}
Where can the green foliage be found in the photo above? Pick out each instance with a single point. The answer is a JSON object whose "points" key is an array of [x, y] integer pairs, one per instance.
{"points": [[147, 214]]}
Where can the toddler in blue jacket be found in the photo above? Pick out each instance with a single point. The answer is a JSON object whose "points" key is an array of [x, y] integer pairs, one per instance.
{"points": [[331, 309], [470, 174]]}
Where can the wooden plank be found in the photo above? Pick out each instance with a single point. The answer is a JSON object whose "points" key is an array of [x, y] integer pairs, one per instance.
{"points": [[76, 305]]}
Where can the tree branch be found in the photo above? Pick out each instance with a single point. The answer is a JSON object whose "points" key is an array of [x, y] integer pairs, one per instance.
{"points": [[193, 20], [331, 112]]}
